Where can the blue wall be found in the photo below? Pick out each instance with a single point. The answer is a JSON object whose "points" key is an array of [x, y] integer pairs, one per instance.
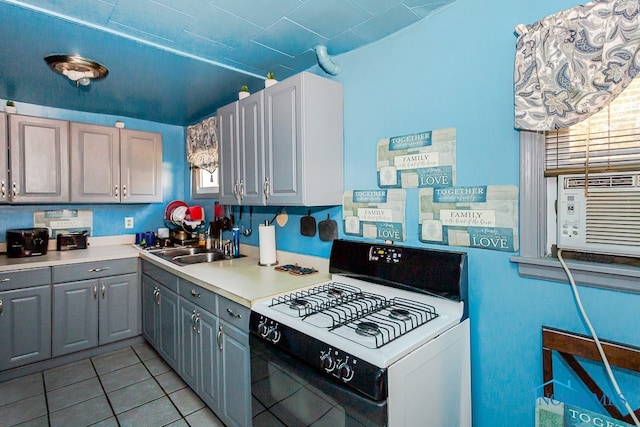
{"points": [[455, 69]]}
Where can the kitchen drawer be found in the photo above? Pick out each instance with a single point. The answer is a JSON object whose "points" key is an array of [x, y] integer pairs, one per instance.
{"points": [[94, 270], [160, 275], [233, 313], [198, 295], [25, 278]]}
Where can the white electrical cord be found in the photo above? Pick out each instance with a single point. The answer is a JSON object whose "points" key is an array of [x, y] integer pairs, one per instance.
{"points": [[596, 340]]}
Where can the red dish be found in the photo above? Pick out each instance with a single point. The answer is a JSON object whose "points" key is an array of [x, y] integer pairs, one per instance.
{"points": [[171, 206]]}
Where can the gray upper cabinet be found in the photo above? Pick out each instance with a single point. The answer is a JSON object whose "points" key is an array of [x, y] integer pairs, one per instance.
{"points": [[4, 160], [228, 152], [39, 160], [290, 136], [111, 165], [242, 162], [25, 317], [303, 122], [140, 166]]}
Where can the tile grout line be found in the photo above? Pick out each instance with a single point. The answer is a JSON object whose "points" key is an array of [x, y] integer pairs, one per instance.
{"points": [[106, 396], [160, 385], [46, 398]]}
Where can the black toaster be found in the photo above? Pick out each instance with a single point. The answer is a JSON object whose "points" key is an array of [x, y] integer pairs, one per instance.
{"points": [[25, 242], [69, 241]]}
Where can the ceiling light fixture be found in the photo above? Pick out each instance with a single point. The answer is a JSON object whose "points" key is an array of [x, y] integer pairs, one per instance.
{"points": [[77, 68]]}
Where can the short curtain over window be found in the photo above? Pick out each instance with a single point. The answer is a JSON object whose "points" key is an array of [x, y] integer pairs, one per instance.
{"points": [[570, 65], [202, 145]]}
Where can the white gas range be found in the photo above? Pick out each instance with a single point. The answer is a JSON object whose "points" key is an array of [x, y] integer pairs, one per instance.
{"points": [[385, 342]]}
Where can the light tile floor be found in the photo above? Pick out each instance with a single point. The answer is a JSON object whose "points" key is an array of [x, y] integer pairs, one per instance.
{"points": [[129, 387]]}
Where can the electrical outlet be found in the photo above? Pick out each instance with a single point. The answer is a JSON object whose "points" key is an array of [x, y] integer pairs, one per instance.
{"points": [[128, 222]]}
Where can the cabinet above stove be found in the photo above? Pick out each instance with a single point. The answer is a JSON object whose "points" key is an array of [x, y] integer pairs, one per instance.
{"points": [[284, 145]]}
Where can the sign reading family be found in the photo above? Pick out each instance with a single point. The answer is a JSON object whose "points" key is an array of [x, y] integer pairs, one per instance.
{"points": [[375, 214], [420, 160], [479, 217]]}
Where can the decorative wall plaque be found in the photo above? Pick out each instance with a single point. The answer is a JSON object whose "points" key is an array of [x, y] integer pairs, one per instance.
{"points": [[375, 214], [480, 217], [425, 160]]}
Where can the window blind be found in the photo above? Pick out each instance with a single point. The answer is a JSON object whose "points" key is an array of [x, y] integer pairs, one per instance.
{"points": [[608, 141]]}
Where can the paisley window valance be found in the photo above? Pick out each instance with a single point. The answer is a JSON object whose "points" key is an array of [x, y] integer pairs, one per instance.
{"points": [[570, 65], [202, 144]]}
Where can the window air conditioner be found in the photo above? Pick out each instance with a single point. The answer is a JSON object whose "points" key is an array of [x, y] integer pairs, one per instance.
{"points": [[606, 221]]}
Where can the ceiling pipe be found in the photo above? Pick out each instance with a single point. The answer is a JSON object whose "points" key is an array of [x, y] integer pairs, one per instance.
{"points": [[325, 61]]}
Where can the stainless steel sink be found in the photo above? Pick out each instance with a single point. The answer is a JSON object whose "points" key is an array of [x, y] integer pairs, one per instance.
{"points": [[188, 256]]}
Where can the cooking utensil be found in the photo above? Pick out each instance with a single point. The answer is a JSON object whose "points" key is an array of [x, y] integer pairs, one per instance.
{"points": [[328, 229], [247, 231], [308, 225]]}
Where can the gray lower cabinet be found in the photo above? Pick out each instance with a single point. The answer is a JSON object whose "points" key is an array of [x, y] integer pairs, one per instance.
{"points": [[199, 356], [99, 310], [235, 376], [204, 337], [25, 317], [160, 319]]}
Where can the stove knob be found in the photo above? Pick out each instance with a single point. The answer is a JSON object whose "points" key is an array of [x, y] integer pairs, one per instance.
{"points": [[263, 329], [274, 335], [326, 361], [345, 372]]}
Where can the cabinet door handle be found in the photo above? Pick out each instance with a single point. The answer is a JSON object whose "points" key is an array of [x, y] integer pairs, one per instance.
{"points": [[198, 323], [95, 291], [241, 189], [193, 320], [234, 314], [117, 194], [1, 307], [97, 270], [103, 289], [124, 191], [156, 293], [265, 188], [3, 190], [194, 293], [219, 338], [13, 189]]}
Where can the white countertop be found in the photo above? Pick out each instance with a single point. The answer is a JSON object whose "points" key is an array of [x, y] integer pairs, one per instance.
{"points": [[241, 280]]}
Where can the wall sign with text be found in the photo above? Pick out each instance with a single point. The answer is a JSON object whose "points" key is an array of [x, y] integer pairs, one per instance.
{"points": [[375, 214], [420, 160], [479, 217]]}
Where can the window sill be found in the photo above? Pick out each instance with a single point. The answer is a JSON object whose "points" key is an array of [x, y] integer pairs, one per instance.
{"points": [[607, 276]]}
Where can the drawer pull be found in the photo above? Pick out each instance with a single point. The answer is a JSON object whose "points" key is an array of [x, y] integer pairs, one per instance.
{"points": [[97, 270], [234, 314], [1, 307], [5, 280], [194, 293]]}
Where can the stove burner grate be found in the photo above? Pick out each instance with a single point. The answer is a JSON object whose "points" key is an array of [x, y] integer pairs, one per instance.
{"points": [[309, 301], [384, 322]]}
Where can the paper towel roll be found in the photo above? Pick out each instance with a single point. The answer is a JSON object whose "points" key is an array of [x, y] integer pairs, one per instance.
{"points": [[267, 240]]}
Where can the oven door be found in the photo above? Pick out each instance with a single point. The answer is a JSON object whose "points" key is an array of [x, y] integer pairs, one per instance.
{"points": [[287, 392]]}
